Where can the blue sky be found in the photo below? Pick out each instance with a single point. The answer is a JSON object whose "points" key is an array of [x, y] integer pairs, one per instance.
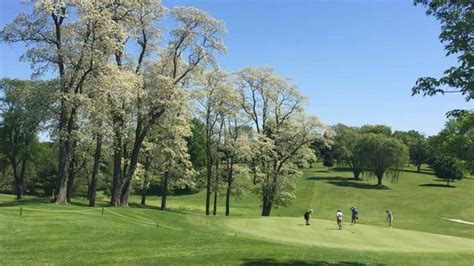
{"points": [[356, 61]]}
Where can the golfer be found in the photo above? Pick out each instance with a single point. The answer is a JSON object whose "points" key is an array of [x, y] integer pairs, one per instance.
{"points": [[355, 215], [339, 216], [389, 217], [307, 216]]}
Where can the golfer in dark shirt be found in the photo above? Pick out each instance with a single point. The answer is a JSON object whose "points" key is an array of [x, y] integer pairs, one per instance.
{"points": [[355, 215], [307, 215]]}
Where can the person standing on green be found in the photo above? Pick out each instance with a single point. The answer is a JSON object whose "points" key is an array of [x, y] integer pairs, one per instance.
{"points": [[307, 216], [389, 217], [355, 215], [339, 217]]}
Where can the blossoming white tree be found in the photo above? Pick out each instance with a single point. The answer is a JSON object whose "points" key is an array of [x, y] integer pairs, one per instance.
{"points": [[73, 38], [276, 108]]}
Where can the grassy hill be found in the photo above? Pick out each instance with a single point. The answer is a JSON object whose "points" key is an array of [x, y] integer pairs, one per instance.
{"points": [[47, 233]]}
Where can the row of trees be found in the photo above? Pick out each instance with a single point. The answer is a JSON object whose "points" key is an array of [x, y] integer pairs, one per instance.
{"points": [[369, 149], [377, 151], [132, 102]]}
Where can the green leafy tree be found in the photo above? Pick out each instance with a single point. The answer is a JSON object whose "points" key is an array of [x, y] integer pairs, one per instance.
{"points": [[457, 140], [328, 157], [44, 162], [25, 106], [417, 146], [376, 129], [345, 149], [382, 155], [447, 168], [419, 153], [197, 143], [408, 137], [457, 26]]}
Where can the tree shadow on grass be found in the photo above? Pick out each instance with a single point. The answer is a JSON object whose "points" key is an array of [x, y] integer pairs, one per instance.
{"points": [[342, 169], [346, 182], [354, 184], [141, 206], [268, 261], [81, 204], [156, 208], [321, 171], [29, 201], [442, 180], [326, 178], [98, 203], [437, 185], [424, 172]]}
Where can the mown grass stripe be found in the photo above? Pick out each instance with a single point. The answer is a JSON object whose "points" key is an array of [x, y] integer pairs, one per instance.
{"points": [[142, 221]]}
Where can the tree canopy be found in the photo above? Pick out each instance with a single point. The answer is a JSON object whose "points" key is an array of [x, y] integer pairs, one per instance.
{"points": [[457, 25], [382, 155]]}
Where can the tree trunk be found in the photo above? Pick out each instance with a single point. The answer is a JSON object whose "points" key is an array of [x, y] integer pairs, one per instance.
{"points": [[65, 156], [19, 178], [65, 147], [214, 210], [143, 201], [164, 190], [209, 176], [418, 168], [125, 193], [21, 181], [71, 180], [254, 171], [117, 175], [447, 184], [125, 155], [379, 180], [356, 174], [216, 187], [266, 206], [15, 177], [229, 186], [145, 180], [140, 133], [95, 171]]}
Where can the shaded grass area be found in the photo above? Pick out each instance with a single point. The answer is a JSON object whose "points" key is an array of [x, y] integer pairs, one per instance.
{"points": [[437, 185], [269, 261], [345, 182]]}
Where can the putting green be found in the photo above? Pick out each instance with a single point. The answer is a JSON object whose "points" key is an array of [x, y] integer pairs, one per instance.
{"points": [[360, 237]]}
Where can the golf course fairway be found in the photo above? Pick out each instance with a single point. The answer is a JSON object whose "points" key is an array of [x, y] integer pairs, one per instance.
{"points": [[359, 237]]}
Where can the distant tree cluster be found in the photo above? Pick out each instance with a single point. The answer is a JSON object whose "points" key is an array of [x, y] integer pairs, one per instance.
{"points": [[453, 148], [378, 151], [369, 149]]}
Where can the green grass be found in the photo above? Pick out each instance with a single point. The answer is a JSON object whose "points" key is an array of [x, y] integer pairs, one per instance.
{"points": [[74, 234]]}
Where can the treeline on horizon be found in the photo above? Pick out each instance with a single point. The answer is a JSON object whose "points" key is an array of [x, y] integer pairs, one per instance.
{"points": [[138, 109]]}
